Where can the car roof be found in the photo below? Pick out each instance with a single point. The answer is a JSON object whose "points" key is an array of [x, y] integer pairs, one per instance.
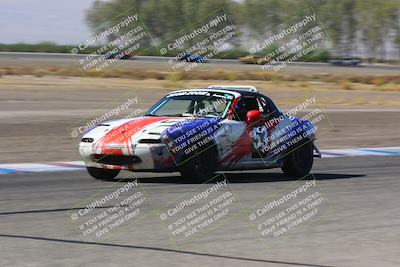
{"points": [[235, 92]]}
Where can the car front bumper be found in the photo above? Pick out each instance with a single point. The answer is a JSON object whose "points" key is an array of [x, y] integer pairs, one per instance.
{"points": [[143, 157]]}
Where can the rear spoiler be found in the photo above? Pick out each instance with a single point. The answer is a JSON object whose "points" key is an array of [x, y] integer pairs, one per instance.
{"points": [[236, 87]]}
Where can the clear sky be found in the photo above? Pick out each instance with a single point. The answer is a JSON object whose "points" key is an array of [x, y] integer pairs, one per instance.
{"points": [[33, 21]]}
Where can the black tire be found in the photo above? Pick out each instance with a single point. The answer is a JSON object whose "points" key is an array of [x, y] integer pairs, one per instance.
{"points": [[201, 166], [300, 161], [102, 174]]}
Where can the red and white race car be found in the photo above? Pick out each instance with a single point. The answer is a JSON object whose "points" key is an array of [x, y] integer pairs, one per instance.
{"points": [[200, 131]]}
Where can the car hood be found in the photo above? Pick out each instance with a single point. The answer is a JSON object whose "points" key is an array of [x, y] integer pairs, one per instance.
{"points": [[143, 129]]}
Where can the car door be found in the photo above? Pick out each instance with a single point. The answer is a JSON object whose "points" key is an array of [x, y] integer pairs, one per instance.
{"points": [[250, 142]]}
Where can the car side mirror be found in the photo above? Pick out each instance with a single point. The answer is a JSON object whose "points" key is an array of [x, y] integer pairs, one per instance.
{"points": [[253, 116]]}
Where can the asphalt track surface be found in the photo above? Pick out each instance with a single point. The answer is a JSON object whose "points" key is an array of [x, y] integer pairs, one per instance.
{"points": [[161, 63], [360, 228]]}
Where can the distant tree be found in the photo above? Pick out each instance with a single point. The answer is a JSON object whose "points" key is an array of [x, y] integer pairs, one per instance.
{"points": [[350, 24]]}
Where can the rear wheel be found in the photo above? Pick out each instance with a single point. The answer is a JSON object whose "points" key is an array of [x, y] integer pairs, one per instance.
{"points": [[102, 174], [201, 166], [299, 162]]}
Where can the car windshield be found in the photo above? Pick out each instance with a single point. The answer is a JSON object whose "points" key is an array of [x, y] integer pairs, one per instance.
{"points": [[193, 104]]}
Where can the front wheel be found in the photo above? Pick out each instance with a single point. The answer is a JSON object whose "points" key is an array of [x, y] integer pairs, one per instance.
{"points": [[200, 167], [102, 174], [299, 162]]}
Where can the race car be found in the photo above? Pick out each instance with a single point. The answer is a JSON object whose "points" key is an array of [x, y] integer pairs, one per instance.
{"points": [[119, 55], [347, 61], [255, 59], [201, 131], [192, 57]]}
